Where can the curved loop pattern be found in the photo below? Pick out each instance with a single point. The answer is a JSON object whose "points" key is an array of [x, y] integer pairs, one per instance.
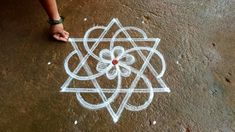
{"points": [[116, 63]]}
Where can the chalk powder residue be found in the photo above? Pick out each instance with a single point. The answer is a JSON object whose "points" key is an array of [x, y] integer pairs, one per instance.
{"points": [[75, 122]]}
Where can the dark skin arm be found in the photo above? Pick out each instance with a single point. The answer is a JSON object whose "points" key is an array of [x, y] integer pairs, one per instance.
{"points": [[56, 31]]}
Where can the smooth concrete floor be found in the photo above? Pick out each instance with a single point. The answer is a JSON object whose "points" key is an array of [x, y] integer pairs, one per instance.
{"points": [[197, 41]]}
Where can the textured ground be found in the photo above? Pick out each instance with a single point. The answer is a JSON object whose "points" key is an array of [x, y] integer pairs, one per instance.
{"points": [[197, 41]]}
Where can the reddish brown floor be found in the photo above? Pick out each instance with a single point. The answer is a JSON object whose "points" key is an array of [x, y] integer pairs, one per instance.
{"points": [[199, 35]]}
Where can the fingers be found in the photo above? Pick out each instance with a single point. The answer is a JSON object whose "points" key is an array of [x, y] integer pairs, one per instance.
{"points": [[61, 36], [58, 32], [66, 33]]}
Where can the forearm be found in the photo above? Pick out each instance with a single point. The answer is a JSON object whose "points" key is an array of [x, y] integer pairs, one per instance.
{"points": [[51, 9]]}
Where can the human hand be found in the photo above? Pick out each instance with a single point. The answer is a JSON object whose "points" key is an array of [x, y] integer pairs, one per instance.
{"points": [[57, 32]]}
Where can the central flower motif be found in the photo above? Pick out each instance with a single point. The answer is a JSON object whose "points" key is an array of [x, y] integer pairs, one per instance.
{"points": [[114, 62]]}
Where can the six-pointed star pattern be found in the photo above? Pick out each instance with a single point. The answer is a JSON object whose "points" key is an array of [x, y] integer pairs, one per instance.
{"points": [[113, 67]]}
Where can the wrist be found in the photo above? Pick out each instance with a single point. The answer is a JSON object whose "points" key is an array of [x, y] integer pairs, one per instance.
{"points": [[55, 21], [55, 17]]}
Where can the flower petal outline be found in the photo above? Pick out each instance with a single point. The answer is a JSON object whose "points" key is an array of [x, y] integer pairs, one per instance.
{"points": [[112, 73], [127, 59], [101, 66]]}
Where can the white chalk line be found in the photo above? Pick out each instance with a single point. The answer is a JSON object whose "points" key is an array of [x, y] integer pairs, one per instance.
{"points": [[100, 90], [95, 83], [108, 90], [109, 39], [134, 83], [133, 70], [93, 76], [83, 60], [106, 102]]}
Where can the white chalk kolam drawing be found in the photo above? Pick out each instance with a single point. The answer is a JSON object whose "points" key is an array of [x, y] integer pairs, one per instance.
{"points": [[115, 63]]}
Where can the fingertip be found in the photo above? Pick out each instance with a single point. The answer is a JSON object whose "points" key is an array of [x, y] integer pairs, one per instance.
{"points": [[63, 39], [66, 32], [62, 36]]}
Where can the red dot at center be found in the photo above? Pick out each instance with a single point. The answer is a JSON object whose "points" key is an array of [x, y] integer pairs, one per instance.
{"points": [[115, 62]]}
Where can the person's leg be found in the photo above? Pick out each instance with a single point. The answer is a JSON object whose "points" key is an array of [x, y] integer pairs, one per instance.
{"points": [[57, 31]]}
